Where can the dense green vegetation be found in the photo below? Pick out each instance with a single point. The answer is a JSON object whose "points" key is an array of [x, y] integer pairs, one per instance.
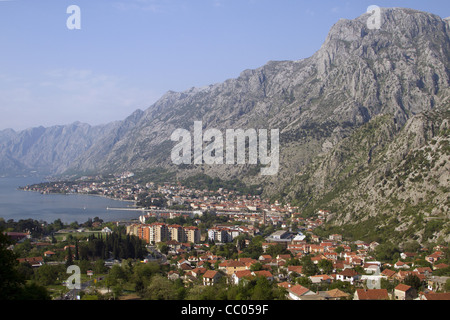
{"points": [[13, 284]]}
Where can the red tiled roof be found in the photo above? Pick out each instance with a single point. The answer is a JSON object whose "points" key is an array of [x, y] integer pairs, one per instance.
{"points": [[402, 287], [243, 273], [372, 294], [437, 296], [298, 290], [285, 285], [235, 264], [348, 272], [263, 273], [31, 260], [297, 269], [210, 274], [388, 272]]}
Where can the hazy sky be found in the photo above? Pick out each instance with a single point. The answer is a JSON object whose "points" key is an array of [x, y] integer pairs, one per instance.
{"points": [[128, 53]]}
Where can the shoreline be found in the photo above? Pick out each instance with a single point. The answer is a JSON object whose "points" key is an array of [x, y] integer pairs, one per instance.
{"points": [[81, 194]]}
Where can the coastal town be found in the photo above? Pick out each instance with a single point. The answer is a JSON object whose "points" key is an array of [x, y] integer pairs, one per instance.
{"points": [[191, 240]]}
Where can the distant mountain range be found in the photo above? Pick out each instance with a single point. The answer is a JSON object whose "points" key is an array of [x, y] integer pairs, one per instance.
{"points": [[363, 128]]}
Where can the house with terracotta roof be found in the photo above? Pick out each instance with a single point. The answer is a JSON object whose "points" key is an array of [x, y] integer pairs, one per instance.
{"points": [[321, 278], [435, 256], [388, 273], [296, 269], [211, 277], [334, 294], [371, 294], [435, 296], [426, 271], [173, 275], [185, 267], [401, 275], [263, 273], [348, 275], [33, 261], [298, 292], [196, 272], [49, 254], [265, 258], [248, 260], [440, 266], [401, 265], [240, 275], [232, 266], [404, 292], [18, 236]]}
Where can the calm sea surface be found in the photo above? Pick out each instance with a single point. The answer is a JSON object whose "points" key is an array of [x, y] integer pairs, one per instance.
{"points": [[16, 204]]}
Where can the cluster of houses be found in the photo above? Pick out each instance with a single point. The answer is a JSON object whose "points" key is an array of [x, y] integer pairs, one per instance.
{"points": [[352, 262], [354, 267]]}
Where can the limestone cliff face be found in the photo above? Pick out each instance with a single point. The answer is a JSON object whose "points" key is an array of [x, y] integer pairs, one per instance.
{"points": [[383, 183], [401, 69]]}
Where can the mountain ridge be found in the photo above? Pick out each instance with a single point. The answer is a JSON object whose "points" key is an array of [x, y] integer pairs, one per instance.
{"points": [[357, 74], [351, 78]]}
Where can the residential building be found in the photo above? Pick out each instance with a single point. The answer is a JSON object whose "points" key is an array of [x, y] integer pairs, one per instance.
{"points": [[158, 232], [349, 275], [233, 266], [371, 294], [298, 292], [192, 234], [404, 292], [218, 235], [176, 233], [239, 275], [33, 261], [388, 273], [334, 294], [211, 277], [435, 296]]}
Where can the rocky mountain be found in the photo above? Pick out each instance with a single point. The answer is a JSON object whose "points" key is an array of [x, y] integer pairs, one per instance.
{"points": [[402, 69], [346, 115], [44, 150], [381, 183]]}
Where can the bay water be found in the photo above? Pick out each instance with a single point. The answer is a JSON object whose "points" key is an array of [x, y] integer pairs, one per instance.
{"points": [[17, 204]]}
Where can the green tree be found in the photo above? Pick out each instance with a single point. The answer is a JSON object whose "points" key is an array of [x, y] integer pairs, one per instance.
{"points": [[69, 260], [84, 266], [309, 268], [77, 256], [276, 250], [413, 281], [447, 285], [115, 274], [160, 288], [387, 252], [262, 289], [99, 267], [326, 266], [256, 266], [11, 281], [48, 274], [304, 281]]}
